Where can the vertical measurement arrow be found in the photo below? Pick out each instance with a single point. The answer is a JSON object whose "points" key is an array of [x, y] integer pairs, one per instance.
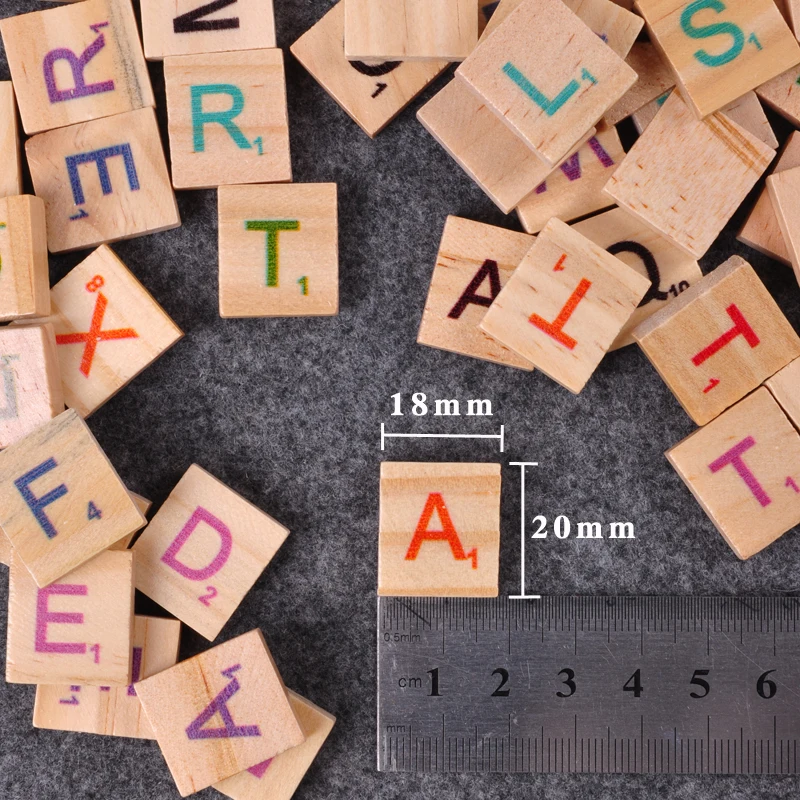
{"points": [[522, 595]]}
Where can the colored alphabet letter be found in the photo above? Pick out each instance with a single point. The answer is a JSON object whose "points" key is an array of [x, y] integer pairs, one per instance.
{"points": [[136, 670], [170, 557], [193, 20], [100, 157], [741, 327], [487, 270], [715, 29], [734, 458], [272, 227], [435, 502], [572, 166], [44, 617], [77, 64], [556, 327], [202, 118], [545, 103], [219, 706], [38, 504]]}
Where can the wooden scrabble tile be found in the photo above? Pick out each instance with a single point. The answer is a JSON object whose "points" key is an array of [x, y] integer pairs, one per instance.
{"points": [[76, 63], [719, 340], [616, 26], [236, 683], [109, 328], [102, 181], [10, 166], [61, 502], [744, 470], [670, 270], [498, 160], [112, 710], [670, 178], [655, 78], [24, 271], [474, 262], [30, 381], [551, 83], [576, 188], [785, 388], [719, 51], [439, 529], [279, 777], [410, 29], [782, 94], [747, 112], [189, 27], [565, 305], [372, 94], [144, 506], [761, 230], [278, 250], [203, 551], [75, 631], [228, 121], [784, 191]]}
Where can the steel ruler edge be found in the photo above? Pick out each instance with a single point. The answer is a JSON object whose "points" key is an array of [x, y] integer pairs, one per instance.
{"points": [[648, 684]]}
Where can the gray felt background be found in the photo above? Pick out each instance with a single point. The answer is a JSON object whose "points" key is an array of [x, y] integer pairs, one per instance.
{"points": [[287, 412]]}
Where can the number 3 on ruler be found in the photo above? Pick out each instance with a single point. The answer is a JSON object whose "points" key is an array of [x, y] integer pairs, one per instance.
{"points": [[206, 599]]}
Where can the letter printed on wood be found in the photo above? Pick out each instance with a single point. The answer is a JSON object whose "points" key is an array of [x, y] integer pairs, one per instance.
{"points": [[220, 713], [76, 63], [102, 181], [61, 502], [718, 341], [474, 262], [744, 470], [112, 710], [565, 305], [203, 551], [439, 529], [279, 777], [75, 631], [547, 75]]}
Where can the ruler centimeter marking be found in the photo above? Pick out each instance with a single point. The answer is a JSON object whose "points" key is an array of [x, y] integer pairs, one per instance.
{"points": [[681, 685]]}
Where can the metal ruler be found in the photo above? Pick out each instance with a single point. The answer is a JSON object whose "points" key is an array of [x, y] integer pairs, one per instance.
{"points": [[589, 684]]}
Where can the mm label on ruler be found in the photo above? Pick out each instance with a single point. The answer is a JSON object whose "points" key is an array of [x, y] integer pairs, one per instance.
{"points": [[589, 684]]}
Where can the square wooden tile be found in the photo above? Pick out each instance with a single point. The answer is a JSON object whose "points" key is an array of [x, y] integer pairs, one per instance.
{"points": [[410, 29], [782, 94], [187, 27], [30, 380], [109, 328], [10, 164], [278, 250], [75, 631], [371, 93], [498, 160], [76, 63], [439, 529], [719, 340], [228, 121], [748, 112], [279, 777], [565, 305], [547, 75], [670, 178], [669, 268], [784, 191], [102, 181], [576, 188], [474, 262], [112, 710], [61, 502], [203, 551], [655, 78], [744, 470], [719, 51], [24, 271], [236, 683], [785, 388]]}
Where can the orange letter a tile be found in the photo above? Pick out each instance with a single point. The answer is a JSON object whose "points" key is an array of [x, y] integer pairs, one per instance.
{"points": [[435, 502]]}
